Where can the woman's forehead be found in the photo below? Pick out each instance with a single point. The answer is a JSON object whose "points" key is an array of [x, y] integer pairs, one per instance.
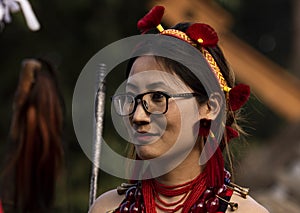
{"points": [[145, 63], [148, 74], [155, 80]]}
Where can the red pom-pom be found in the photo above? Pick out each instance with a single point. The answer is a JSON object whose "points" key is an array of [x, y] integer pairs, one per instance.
{"points": [[203, 34], [231, 133], [151, 19], [238, 96]]}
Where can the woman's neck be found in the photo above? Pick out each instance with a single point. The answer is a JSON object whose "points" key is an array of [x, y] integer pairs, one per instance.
{"points": [[184, 172]]}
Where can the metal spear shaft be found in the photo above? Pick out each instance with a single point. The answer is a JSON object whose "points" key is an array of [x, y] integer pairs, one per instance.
{"points": [[98, 128]]}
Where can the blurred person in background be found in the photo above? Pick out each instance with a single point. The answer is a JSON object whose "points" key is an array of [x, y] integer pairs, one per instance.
{"points": [[34, 158]]}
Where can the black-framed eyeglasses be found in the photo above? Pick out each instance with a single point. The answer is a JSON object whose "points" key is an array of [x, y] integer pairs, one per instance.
{"points": [[152, 102]]}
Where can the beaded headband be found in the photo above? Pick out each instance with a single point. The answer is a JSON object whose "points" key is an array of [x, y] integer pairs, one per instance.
{"points": [[211, 61], [176, 33], [197, 35], [200, 36]]}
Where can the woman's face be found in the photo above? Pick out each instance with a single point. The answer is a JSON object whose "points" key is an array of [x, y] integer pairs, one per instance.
{"points": [[171, 133]]}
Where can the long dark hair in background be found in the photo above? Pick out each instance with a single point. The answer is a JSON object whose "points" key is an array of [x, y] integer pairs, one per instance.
{"points": [[35, 152]]}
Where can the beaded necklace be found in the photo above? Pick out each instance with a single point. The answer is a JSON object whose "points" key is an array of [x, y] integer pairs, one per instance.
{"points": [[189, 192], [196, 197]]}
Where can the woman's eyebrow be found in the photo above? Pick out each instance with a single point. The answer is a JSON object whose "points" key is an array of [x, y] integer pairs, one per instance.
{"points": [[157, 85], [152, 86], [130, 85]]}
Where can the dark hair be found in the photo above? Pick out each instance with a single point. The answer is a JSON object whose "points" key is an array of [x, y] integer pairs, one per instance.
{"points": [[36, 153], [188, 77]]}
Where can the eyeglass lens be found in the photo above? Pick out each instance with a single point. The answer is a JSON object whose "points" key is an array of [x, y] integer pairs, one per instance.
{"points": [[152, 102]]}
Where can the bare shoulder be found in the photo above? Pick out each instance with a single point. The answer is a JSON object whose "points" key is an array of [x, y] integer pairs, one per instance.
{"points": [[106, 202], [248, 205]]}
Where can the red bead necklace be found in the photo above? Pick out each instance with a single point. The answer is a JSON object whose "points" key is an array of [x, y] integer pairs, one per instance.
{"points": [[189, 192], [196, 197]]}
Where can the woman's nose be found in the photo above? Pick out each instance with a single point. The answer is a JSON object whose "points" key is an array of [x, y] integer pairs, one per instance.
{"points": [[140, 115]]}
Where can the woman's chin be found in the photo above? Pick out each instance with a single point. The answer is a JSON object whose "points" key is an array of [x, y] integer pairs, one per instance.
{"points": [[146, 153]]}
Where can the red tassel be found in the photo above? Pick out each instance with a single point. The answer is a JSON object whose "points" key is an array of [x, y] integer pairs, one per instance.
{"points": [[151, 19], [148, 196], [231, 133], [204, 34], [215, 169], [238, 96]]}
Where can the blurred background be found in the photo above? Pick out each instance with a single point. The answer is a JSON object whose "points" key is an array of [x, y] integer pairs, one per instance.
{"points": [[261, 40]]}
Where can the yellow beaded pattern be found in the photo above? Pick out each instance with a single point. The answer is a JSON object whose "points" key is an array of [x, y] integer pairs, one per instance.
{"points": [[216, 70], [178, 34]]}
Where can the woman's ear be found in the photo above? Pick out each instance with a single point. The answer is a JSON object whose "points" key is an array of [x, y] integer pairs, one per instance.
{"points": [[214, 106]]}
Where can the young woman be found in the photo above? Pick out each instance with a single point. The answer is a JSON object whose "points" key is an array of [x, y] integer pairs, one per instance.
{"points": [[180, 108]]}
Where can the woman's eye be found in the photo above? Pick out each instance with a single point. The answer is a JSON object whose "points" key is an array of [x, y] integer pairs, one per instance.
{"points": [[157, 97]]}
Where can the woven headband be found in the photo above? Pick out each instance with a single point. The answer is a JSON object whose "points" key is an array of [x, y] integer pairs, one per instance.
{"points": [[211, 61], [200, 36]]}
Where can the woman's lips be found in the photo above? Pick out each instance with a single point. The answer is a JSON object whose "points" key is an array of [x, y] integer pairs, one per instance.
{"points": [[145, 138]]}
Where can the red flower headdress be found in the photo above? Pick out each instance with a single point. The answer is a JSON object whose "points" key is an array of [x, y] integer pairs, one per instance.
{"points": [[152, 19], [203, 36]]}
